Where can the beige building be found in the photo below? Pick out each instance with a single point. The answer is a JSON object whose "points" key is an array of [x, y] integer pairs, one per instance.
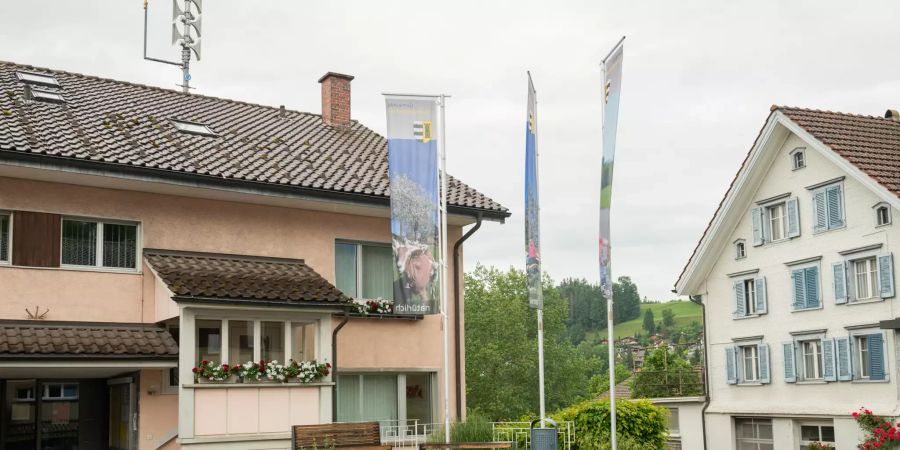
{"points": [[796, 274], [143, 230]]}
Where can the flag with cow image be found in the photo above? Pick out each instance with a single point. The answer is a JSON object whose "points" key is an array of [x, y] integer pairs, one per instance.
{"points": [[415, 210], [532, 205]]}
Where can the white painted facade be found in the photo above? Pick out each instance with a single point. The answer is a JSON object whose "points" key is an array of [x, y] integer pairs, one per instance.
{"points": [[769, 173]]}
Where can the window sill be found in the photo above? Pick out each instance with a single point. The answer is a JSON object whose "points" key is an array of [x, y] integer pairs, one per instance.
{"points": [[867, 381], [811, 382], [808, 309], [262, 385], [77, 269], [883, 225], [865, 302], [842, 227], [748, 316], [750, 384], [387, 316]]}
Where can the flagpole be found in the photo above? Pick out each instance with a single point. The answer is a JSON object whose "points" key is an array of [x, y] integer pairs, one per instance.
{"points": [[444, 309]]}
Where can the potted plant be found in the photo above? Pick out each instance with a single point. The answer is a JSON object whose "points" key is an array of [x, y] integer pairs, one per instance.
{"points": [[208, 372]]}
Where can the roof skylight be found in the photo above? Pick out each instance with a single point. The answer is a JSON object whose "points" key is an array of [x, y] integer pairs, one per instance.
{"points": [[193, 128], [47, 96], [37, 78]]}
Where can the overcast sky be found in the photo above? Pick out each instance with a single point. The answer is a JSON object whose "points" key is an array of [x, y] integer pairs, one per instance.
{"points": [[699, 77]]}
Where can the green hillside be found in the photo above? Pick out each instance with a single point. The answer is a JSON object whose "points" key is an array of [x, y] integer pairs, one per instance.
{"points": [[685, 313]]}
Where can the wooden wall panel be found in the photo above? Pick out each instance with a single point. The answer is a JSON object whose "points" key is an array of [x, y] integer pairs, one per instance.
{"points": [[36, 239]]}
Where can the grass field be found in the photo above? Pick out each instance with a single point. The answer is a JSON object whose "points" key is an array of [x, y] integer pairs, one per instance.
{"points": [[685, 313]]}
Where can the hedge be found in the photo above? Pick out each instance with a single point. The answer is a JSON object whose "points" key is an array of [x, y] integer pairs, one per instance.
{"points": [[637, 421]]}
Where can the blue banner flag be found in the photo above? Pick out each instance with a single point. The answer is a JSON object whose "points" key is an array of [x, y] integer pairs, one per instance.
{"points": [[532, 205], [612, 87], [415, 211]]}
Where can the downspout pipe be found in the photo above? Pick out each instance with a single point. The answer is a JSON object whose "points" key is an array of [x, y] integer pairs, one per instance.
{"points": [[698, 299], [457, 325], [334, 364]]}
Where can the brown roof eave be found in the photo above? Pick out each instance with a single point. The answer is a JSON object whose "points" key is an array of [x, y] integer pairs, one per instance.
{"points": [[338, 307], [81, 358], [44, 161]]}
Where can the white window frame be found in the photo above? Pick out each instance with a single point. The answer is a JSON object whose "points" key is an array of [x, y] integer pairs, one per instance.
{"points": [[401, 375], [750, 296], [769, 208], [257, 337], [858, 355], [195, 128], [358, 246], [871, 277], [823, 189], [45, 392], [855, 356], [819, 425], [818, 368], [798, 158], [169, 386], [740, 249], [754, 362], [9, 238], [37, 78], [878, 208], [673, 414], [817, 263], [98, 263], [756, 440]]}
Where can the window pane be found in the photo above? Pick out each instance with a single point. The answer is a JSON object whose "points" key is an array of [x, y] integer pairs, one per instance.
{"points": [[827, 434], [119, 245], [304, 343], [377, 273], [240, 341], [809, 433], [4, 238], [418, 397], [209, 340], [345, 268], [272, 341], [379, 397], [79, 243], [348, 398]]}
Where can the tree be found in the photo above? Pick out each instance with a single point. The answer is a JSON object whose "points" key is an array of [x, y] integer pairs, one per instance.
{"points": [[501, 347], [627, 301], [649, 323], [587, 308], [668, 318], [666, 374]]}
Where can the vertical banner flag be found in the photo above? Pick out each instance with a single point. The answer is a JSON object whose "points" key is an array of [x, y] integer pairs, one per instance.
{"points": [[612, 75], [415, 226], [532, 206]]}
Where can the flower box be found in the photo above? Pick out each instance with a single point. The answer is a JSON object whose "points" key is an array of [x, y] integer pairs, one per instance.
{"points": [[229, 379]]}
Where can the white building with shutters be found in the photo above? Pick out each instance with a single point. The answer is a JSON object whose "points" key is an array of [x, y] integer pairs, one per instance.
{"points": [[797, 278]]}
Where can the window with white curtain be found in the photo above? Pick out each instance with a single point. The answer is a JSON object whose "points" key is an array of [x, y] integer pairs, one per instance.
{"points": [[364, 270], [385, 397], [91, 243]]}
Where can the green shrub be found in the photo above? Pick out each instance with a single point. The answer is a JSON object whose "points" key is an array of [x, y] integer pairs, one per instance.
{"points": [[476, 428], [639, 422]]}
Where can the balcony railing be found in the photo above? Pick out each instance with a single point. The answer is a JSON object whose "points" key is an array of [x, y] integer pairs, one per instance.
{"points": [[667, 383], [411, 433]]}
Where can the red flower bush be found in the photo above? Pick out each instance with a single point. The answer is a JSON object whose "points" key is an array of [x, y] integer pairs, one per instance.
{"points": [[880, 432]]}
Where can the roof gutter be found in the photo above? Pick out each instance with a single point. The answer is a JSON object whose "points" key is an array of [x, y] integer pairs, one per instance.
{"points": [[195, 180], [698, 300], [457, 325]]}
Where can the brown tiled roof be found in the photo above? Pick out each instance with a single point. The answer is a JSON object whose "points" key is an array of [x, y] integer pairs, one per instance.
{"points": [[870, 143], [108, 122], [39, 339], [623, 391], [245, 279]]}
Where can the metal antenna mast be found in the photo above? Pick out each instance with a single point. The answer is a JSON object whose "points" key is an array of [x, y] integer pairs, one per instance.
{"points": [[182, 37]]}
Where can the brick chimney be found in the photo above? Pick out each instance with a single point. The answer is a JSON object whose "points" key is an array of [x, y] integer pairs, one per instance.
{"points": [[336, 99]]}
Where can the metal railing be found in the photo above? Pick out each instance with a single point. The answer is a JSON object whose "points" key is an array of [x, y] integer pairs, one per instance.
{"points": [[520, 433], [668, 383], [410, 433]]}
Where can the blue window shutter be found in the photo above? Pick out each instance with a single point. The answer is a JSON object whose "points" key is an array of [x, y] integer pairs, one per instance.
{"points": [[835, 207], [799, 288], [739, 307], [842, 358], [730, 365], [828, 357], [756, 217], [839, 272], [811, 276], [792, 205], [886, 275], [760, 288], [762, 350], [790, 369], [820, 211], [876, 357]]}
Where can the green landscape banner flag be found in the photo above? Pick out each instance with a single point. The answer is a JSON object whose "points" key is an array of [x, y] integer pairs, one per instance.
{"points": [[612, 77]]}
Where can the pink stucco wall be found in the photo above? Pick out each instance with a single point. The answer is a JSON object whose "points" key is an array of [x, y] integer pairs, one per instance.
{"points": [[159, 411], [191, 224]]}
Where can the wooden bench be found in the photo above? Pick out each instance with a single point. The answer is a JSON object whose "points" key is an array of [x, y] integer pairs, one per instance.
{"points": [[466, 445], [364, 435]]}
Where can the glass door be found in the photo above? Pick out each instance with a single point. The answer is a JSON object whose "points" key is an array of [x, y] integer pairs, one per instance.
{"points": [[59, 415], [122, 415], [19, 413]]}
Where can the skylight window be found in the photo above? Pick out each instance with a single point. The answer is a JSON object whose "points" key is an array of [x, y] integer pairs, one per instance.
{"points": [[193, 128], [47, 96], [37, 78]]}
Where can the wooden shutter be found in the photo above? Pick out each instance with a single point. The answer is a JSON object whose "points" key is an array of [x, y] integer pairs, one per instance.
{"points": [[760, 288], [811, 278], [876, 357], [762, 350], [36, 239], [839, 271], [820, 211], [756, 216], [842, 359], [828, 357], [790, 368], [886, 275], [835, 206], [799, 289], [792, 206], [739, 308], [730, 365]]}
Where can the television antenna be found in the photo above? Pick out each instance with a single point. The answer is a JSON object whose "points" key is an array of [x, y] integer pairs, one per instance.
{"points": [[187, 20]]}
